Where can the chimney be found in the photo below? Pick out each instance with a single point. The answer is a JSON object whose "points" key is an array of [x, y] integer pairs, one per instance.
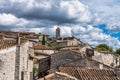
{"points": [[18, 39]]}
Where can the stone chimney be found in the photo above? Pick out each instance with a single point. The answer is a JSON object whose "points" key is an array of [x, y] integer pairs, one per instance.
{"points": [[18, 39]]}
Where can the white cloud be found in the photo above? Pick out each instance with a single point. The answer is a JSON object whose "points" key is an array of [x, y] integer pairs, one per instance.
{"points": [[60, 11], [45, 16], [105, 12], [7, 19], [11, 20], [75, 9]]}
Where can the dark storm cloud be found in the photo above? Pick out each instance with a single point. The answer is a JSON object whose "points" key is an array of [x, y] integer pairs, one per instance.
{"points": [[55, 11]]}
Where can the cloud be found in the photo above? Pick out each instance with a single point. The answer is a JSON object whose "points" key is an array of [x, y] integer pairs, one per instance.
{"points": [[59, 11], [105, 12], [87, 34], [11, 20], [72, 16]]}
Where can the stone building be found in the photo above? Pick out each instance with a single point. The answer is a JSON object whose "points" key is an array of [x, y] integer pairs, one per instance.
{"points": [[16, 59], [68, 41], [107, 58], [74, 58], [68, 58], [28, 35], [43, 49]]}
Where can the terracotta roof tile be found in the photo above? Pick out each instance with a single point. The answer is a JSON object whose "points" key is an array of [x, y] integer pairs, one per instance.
{"points": [[41, 47], [58, 76], [90, 74], [9, 43]]}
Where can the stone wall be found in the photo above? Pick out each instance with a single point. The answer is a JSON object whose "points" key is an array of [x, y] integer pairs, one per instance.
{"points": [[63, 58], [7, 63], [9, 59], [73, 42], [26, 65], [69, 58], [106, 58], [49, 52], [90, 63]]}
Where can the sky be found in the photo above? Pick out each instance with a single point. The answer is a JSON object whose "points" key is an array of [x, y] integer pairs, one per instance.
{"points": [[92, 21]]}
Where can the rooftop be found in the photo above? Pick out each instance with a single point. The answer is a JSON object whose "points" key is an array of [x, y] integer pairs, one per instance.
{"points": [[42, 47], [58, 76], [90, 74], [9, 43]]}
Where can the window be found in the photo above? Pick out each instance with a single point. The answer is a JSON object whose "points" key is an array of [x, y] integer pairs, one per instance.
{"points": [[22, 75]]}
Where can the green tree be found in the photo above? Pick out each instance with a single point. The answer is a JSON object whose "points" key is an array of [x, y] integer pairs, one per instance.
{"points": [[103, 47], [57, 48], [118, 51]]}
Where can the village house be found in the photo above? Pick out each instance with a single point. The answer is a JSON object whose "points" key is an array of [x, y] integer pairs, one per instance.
{"points": [[107, 58], [32, 36], [16, 59], [43, 49]]}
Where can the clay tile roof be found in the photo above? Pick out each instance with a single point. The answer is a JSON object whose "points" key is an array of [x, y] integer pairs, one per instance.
{"points": [[58, 76], [6, 43], [90, 74], [7, 36], [42, 47], [9, 43]]}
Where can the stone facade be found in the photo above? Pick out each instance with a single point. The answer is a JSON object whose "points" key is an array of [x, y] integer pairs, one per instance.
{"points": [[62, 58], [7, 66], [49, 52], [11, 63], [70, 58], [64, 42], [26, 65], [106, 58]]}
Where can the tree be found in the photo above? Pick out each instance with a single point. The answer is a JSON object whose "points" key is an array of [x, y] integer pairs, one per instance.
{"points": [[103, 47], [57, 48], [118, 51]]}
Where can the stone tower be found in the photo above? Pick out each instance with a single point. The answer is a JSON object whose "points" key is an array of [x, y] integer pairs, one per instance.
{"points": [[57, 33]]}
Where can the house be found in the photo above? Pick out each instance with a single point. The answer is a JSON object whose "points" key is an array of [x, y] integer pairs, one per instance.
{"points": [[28, 35], [16, 59], [68, 41], [107, 58], [42, 57], [43, 49], [42, 64]]}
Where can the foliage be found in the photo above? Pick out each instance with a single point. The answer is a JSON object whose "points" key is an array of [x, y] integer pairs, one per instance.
{"points": [[35, 70], [57, 48], [118, 51], [43, 40], [49, 44], [103, 47], [112, 64]]}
